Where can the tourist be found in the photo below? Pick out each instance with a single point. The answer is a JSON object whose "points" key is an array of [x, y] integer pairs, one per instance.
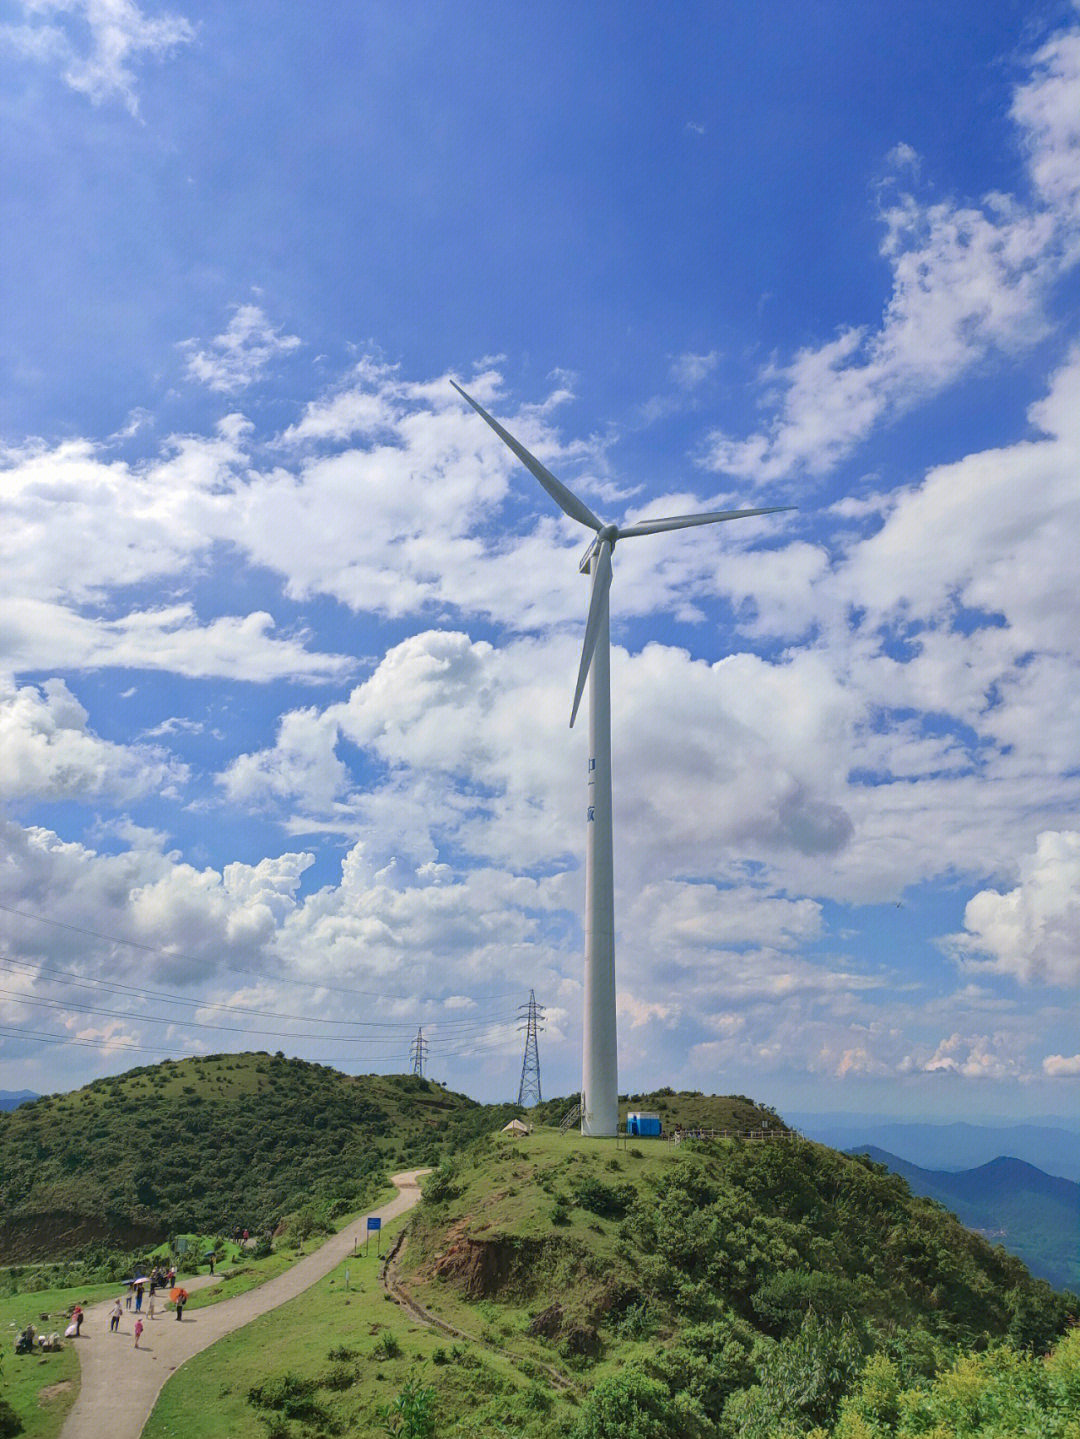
{"points": [[138, 1332], [181, 1300], [77, 1316], [150, 1305], [138, 1298], [114, 1317]]}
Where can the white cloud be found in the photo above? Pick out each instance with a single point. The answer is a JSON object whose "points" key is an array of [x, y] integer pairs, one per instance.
{"points": [[1060, 1066], [96, 43], [1031, 932], [977, 1056], [39, 636], [689, 370], [239, 356], [51, 754], [966, 280]]}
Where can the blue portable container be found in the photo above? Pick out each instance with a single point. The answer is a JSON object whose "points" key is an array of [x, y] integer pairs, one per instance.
{"points": [[645, 1126]]}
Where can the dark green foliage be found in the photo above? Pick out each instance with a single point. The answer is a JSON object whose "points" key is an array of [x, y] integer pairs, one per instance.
{"points": [[202, 1145], [10, 1423], [439, 1186], [801, 1382], [611, 1201], [775, 1232], [290, 1396], [387, 1345], [633, 1405]]}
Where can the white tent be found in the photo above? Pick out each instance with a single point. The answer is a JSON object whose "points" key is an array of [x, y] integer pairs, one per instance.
{"points": [[516, 1127]]}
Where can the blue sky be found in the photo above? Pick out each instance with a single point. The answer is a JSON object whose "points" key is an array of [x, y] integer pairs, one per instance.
{"points": [[287, 641]]}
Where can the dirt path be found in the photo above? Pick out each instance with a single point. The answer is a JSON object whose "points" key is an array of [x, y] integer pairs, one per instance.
{"points": [[120, 1383]]}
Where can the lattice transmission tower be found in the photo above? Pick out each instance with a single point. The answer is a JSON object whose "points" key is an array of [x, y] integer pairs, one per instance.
{"points": [[418, 1053], [532, 1022]]}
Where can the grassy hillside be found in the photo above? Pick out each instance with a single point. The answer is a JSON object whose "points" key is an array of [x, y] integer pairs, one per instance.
{"points": [[205, 1144], [678, 1109], [704, 1271], [1035, 1215]]}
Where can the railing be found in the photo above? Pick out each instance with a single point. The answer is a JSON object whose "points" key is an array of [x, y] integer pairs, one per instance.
{"points": [[570, 1118], [759, 1136]]}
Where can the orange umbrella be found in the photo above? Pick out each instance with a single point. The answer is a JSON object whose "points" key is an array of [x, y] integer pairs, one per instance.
{"points": [[177, 1293]]}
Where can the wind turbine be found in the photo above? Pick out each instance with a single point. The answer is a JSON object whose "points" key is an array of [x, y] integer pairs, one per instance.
{"points": [[599, 1060]]}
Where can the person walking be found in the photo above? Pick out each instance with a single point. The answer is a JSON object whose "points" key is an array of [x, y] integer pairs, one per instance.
{"points": [[211, 1264], [114, 1317], [138, 1332], [151, 1304], [138, 1298]]}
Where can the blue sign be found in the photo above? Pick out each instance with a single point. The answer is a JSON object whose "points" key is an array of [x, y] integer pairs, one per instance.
{"points": [[374, 1222]]}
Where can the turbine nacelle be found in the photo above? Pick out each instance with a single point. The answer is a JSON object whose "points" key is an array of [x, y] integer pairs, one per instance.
{"points": [[596, 560]]}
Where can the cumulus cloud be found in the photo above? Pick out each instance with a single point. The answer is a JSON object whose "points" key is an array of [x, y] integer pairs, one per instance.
{"points": [[50, 753], [967, 280], [977, 1056], [1060, 1066], [240, 355], [1031, 932], [95, 44]]}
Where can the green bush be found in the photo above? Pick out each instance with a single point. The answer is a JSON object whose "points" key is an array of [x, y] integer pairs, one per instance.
{"points": [[631, 1405], [610, 1201], [411, 1415]]}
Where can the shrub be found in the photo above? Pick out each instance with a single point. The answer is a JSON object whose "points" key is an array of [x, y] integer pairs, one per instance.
{"points": [[412, 1414], [387, 1345], [610, 1201], [630, 1405]]}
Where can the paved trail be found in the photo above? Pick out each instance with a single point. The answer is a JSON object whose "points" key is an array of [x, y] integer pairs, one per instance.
{"points": [[121, 1383]]}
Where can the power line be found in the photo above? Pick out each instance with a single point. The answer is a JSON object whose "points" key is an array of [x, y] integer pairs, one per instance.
{"points": [[79, 981], [42, 1002], [17, 1031], [191, 959]]}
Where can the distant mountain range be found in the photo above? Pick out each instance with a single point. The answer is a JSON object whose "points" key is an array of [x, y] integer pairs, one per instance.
{"points": [[1036, 1216], [12, 1098], [1053, 1147]]}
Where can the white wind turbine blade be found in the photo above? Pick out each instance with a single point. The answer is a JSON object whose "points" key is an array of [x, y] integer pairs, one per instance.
{"points": [[567, 502], [683, 522], [600, 586]]}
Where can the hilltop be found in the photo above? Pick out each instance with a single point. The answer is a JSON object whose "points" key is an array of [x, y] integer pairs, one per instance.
{"points": [[706, 1268], [204, 1144], [1035, 1215]]}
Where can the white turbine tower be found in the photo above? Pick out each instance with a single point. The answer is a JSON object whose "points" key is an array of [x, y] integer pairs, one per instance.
{"points": [[599, 1060]]}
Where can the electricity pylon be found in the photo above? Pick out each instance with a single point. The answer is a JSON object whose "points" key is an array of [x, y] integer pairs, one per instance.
{"points": [[532, 1022], [418, 1053]]}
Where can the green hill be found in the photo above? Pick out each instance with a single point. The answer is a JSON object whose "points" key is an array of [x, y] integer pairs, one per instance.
{"points": [[704, 1271], [1035, 1215], [200, 1145]]}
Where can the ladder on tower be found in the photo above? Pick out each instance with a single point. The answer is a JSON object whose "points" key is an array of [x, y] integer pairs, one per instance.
{"points": [[570, 1118]]}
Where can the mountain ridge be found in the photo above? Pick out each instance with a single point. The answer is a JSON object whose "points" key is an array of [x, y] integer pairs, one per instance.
{"points": [[1036, 1215]]}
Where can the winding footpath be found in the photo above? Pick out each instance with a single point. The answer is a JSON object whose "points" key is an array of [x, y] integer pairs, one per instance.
{"points": [[120, 1384]]}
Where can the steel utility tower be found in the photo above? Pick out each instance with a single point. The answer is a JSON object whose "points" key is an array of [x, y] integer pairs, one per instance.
{"points": [[599, 1060], [532, 1017], [418, 1053]]}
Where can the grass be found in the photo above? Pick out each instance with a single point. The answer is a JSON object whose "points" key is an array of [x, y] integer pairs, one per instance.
{"points": [[26, 1376], [514, 1188], [355, 1350]]}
